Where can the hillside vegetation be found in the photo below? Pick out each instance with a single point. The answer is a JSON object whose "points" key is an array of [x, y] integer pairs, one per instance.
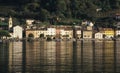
{"points": [[44, 10]]}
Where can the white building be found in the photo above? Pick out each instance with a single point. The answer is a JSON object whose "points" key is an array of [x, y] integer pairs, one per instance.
{"points": [[117, 32], [17, 32], [78, 34], [66, 34], [98, 35], [2, 19], [91, 24], [29, 21], [84, 22], [62, 32], [51, 31]]}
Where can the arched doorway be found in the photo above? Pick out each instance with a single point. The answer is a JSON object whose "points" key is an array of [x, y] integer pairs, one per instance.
{"points": [[30, 35], [41, 36]]}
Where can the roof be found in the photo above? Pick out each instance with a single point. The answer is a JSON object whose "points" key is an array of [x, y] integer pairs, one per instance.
{"points": [[17, 26], [3, 24], [107, 29]]}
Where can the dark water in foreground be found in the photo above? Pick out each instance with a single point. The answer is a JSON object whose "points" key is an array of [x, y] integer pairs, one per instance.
{"points": [[60, 57]]}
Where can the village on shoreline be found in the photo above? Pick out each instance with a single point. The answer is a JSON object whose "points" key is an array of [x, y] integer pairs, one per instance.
{"points": [[85, 31]]}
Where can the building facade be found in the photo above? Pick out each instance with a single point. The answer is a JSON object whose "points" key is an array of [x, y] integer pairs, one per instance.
{"points": [[18, 32], [66, 34], [78, 34], [108, 33], [51, 32], [87, 34], [117, 33], [29, 21], [98, 35], [35, 33]]}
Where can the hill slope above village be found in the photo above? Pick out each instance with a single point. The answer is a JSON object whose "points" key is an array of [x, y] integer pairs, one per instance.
{"points": [[46, 10]]}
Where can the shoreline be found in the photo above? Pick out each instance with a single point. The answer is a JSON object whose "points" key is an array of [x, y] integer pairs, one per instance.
{"points": [[57, 40]]}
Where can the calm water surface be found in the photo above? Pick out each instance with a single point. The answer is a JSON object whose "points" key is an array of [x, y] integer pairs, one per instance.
{"points": [[60, 57]]}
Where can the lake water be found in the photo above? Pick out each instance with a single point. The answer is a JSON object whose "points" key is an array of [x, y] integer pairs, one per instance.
{"points": [[60, 57]]}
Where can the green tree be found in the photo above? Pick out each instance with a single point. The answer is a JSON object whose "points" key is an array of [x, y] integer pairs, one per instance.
{"points": [[60, 7], [32, 7], [105, 5], [4, 33], [44, 15], [67, 12], [74, 6]]}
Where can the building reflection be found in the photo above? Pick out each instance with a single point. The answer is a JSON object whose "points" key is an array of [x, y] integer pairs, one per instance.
{"points": [[60, 57], [66, 56], [32, 56], [49, 56], [87, 56], [108, 61], [79, 57], [117, 63], [98, 56], [15, 57], [4, 58]]}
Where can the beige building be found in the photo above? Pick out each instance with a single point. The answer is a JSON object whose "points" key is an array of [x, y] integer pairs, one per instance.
{"points": [[35, 33], [108, 33], [31, 31], [87, 34], [51, 32], [29, 21], [89, 28], [18, 32], [117, 33], [67, 33], [99, 35], [78, 34]]}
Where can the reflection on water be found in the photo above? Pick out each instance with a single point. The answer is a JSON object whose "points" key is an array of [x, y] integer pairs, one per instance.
{"points": [[60, 57]]}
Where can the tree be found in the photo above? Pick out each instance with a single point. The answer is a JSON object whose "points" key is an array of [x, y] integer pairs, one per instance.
{"points": [[67, 12], [32, 7], [60, 7], [4, 33], [115, 4], [105, 5], [74, 6], [44, 15]]}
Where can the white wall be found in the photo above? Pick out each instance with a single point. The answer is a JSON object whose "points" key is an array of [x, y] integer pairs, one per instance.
{"points": [[18, 32], [99, 36], [51, 31], [117, 32]]}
